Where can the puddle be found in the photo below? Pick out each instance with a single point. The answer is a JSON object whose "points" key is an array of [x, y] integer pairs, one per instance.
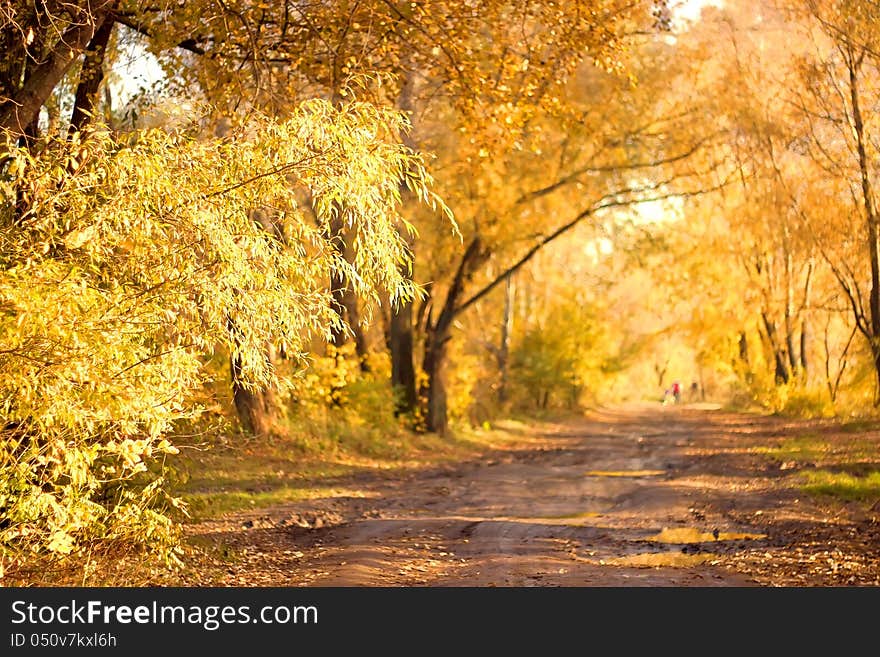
{"points": [[657, 559], [573, 516], [568, 519], [693, 535], [624, 473]]}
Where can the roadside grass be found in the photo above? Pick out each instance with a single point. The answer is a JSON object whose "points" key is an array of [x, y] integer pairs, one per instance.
{"points": [[842, 485], [230, 473], [844, 466], [816, 449], [860, 426], [203, 505]]}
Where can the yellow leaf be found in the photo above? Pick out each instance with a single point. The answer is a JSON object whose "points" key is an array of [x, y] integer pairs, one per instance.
{"points": [[77, 238], [61, 542]]}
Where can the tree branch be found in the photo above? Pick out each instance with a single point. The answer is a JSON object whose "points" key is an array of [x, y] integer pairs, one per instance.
{"points": [[187, 44], [647, 164], [607, 201]]}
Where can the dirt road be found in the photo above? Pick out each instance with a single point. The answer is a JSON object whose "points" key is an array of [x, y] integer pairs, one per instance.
{"points": [[641, 495]]}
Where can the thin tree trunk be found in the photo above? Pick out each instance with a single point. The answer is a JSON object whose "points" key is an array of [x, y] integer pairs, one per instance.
{"points": [[842, 361], [403, 373], [793, 359], [344, 301], [744, 348], [804, 341], [504, 347], [870, 214], [832, 391], [661, 372], [804, 324], [353, 317]]}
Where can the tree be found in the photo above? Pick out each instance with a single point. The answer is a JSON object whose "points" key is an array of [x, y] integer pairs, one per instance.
{"points": [[831, 127], [608, 144], [41, 41], [850, 27], [494, 77], [140, 255]]}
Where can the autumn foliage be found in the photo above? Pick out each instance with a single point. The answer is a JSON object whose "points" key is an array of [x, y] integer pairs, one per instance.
{"points": [[412, 216], [136, 258]]}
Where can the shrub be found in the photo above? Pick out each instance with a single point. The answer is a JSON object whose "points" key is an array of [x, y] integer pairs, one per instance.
{"points": [[126, 262]]}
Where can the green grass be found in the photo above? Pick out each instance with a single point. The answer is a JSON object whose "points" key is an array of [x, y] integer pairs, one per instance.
{"points": [[849, 466], [813, 448], [841, 485], [211, 504], [808, 447]]}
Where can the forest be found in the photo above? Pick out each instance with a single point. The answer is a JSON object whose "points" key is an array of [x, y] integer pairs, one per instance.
{"points": [[264, 263]]}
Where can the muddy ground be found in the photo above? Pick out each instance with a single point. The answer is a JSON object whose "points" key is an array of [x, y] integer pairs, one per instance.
{"points": [[641, 495]]}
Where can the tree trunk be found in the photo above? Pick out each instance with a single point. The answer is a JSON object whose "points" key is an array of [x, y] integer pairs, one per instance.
{"points": [[660, 371], [90, 77], [782, 374], [870, 215], [22, 199], [353, 317], [804, 341], [744, 358], [17, 112], [804, 325], [437, 335], [255, 407], [344, 300], [434, 391], [504, 347], [403, 373], [793, 359], [744, 348], [789, 318]]}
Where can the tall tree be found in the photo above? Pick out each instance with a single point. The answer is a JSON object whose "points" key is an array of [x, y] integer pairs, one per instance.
{"points": [[607, 144], [830, 97]]}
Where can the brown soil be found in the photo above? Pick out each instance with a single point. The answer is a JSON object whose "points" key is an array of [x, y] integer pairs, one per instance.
{"points": [[641, 495]]}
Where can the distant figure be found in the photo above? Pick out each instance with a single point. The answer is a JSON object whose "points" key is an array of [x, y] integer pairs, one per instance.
{"points": [[695, 391], [676, 392]]}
